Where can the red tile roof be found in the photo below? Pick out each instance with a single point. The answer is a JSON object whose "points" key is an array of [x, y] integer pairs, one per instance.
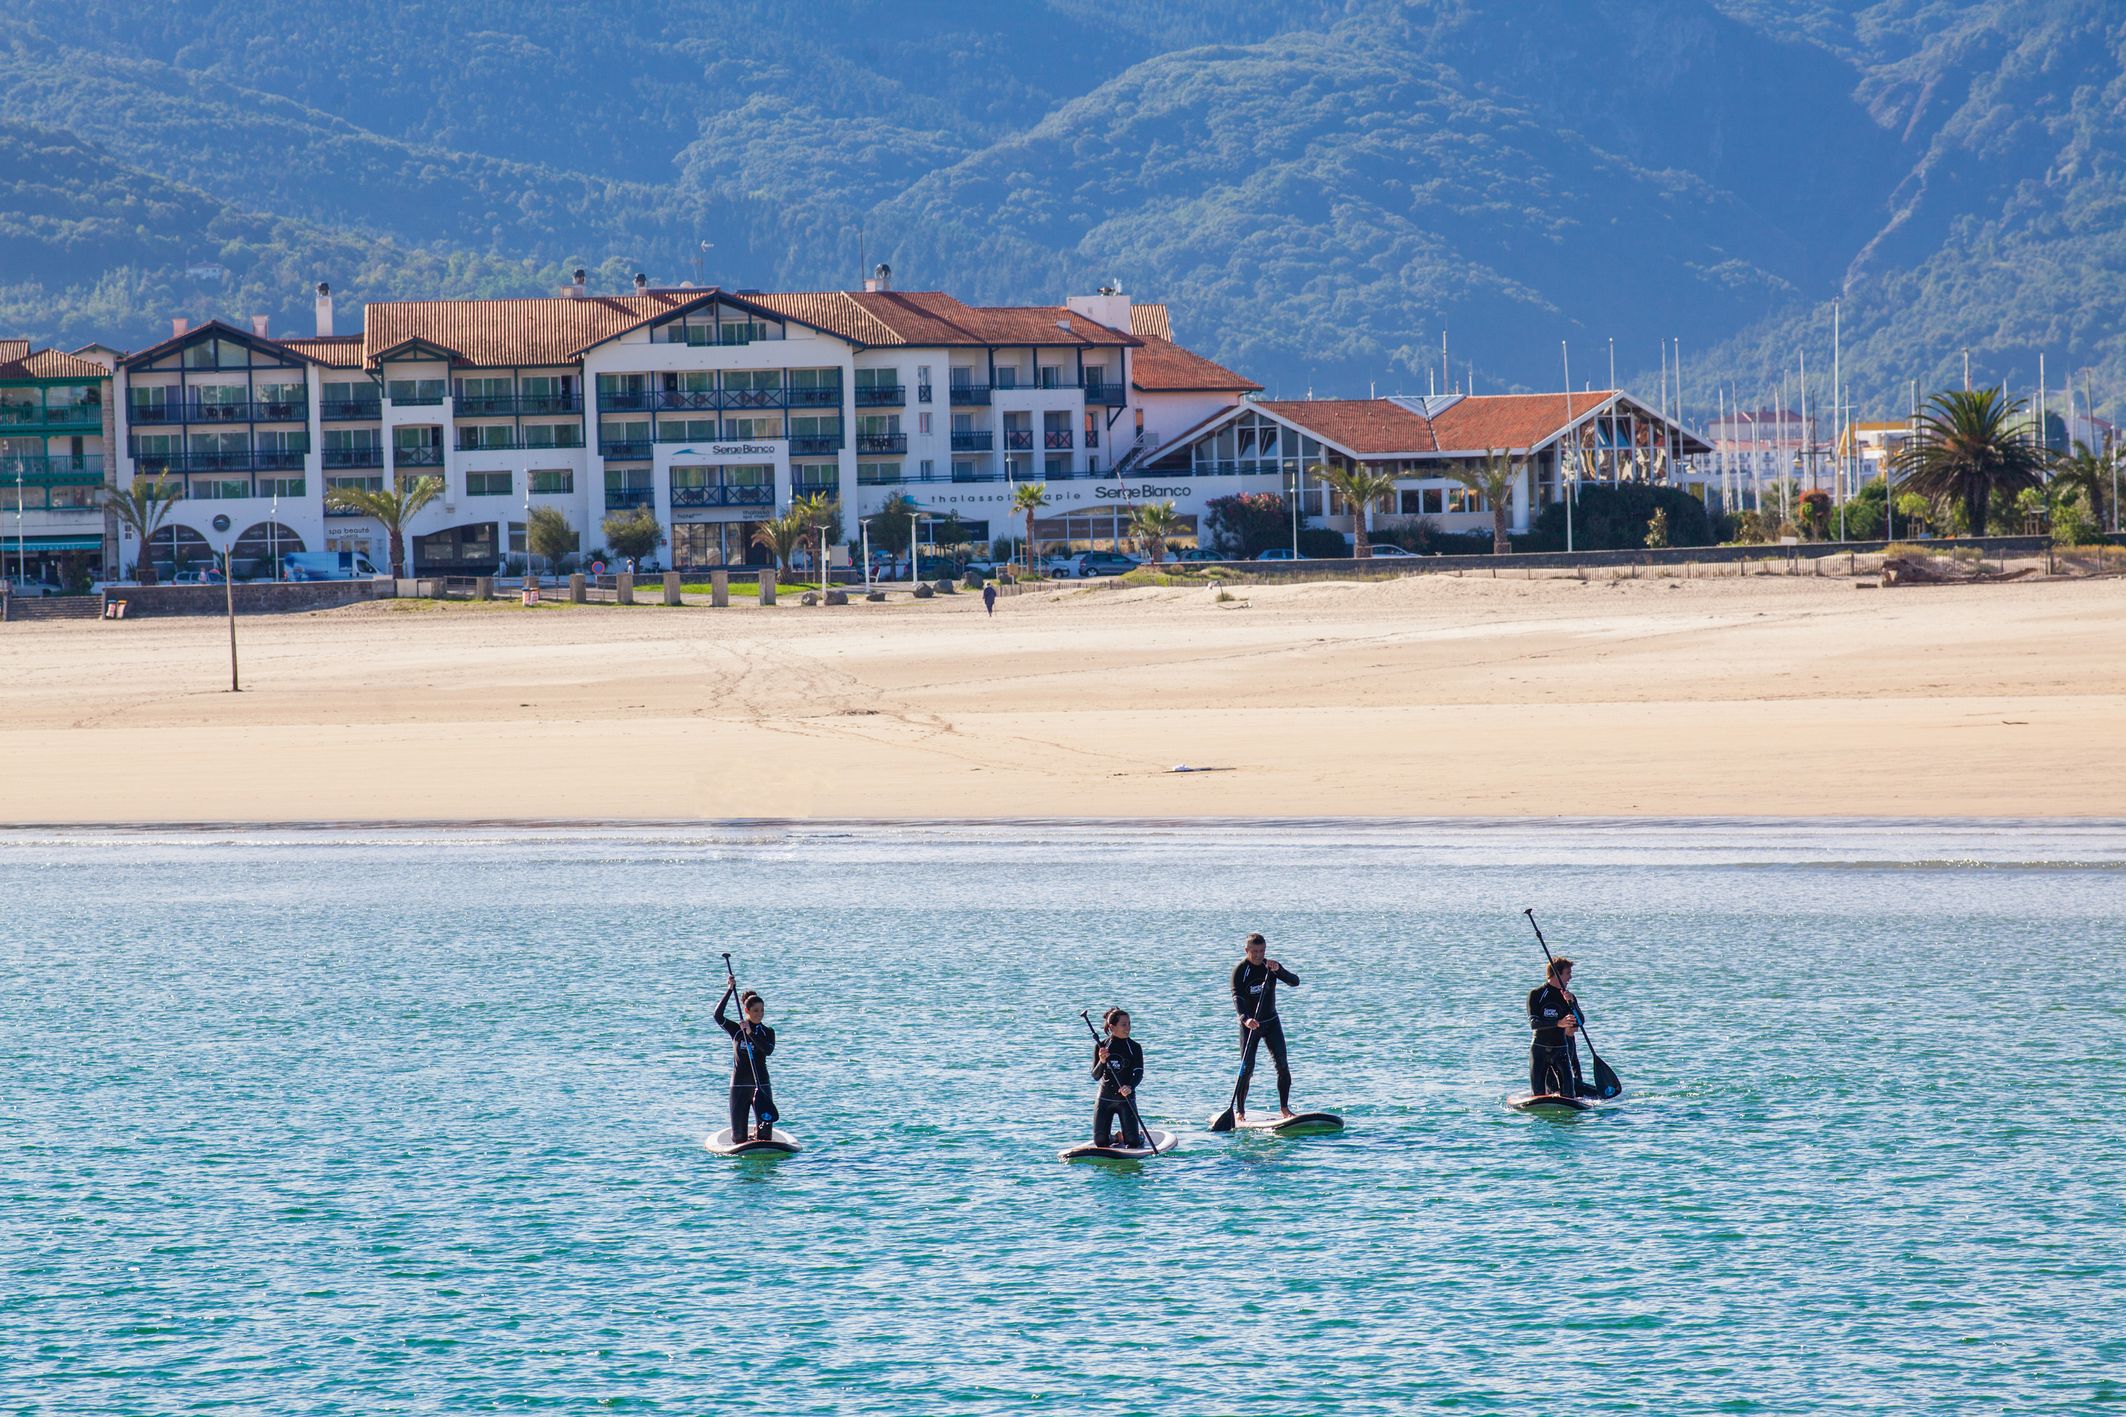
{"points": [[16, 362], [500, 334], [1161, 366], [889, 318], [1510, 422], [335, 351], [1151, 322], [1367, 427]]}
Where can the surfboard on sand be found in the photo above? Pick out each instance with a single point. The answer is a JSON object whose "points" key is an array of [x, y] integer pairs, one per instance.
{"points": [[1160, 1141], [783, 1144], [1549, 1102], [1299, 1124]]}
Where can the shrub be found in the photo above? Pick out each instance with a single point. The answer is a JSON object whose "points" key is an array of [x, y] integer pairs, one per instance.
{"points": [[2072, 522], [1615, 518], [1657, 529], [1246, 524], [1813, 512]]}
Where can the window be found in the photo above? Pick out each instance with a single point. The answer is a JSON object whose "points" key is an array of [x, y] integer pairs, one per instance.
{"points": [[1434, 500], [552, 482], [815, 425], [878, 425], [415, 391], [962, 376], [619, 384], [749, 475], [553, 435], [487, 435], [877, 379], [815, 476], [280, 487], [758, 425], [1051, 376], [929, 469], [748, 381], [283, 401], [484, 388], [686, 430], [877, 474], [815, 378], [922, 423], [1007, 376], [417, 435], [963, 470], [1058, 465]]}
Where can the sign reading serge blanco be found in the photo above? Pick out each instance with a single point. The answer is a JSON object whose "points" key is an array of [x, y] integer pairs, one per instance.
{"points": [[720, 451]]}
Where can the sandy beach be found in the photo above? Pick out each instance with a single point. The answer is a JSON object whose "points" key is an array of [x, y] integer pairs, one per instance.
{"points": [[1417, 697]]}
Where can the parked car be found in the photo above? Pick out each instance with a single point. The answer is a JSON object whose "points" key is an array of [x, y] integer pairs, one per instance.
{"points": [[1392, 551], [1277, 553], [32, 590], [1089, 564], [210, 576], [1197, 553], [985, 568], [328, 566]]}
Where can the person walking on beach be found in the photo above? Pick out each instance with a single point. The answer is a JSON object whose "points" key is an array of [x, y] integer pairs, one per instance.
{"points": [[751, 1043], [1255, 981], [989, 597], [1118, 1063], [1553, 1061]]}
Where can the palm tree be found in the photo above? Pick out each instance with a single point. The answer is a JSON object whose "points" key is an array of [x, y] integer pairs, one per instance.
{"points": [[142, 506], [1493, 479], [2086, 472], [1361, 488], [1154, 524], [1028, 498], [1972, 443], [781, 536], [394, 506]]}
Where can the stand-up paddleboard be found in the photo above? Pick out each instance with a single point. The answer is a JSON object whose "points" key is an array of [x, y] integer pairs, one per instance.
{"points": [[1299, 1124], [1160, 1141], [1549, 1102], [781, 1144]]}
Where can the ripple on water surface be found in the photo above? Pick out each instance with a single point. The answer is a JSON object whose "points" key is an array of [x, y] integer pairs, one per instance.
{"points": [[367, 1121]]}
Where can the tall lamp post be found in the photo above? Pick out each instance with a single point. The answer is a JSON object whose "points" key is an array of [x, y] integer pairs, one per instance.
{"points": [[228, 590]]}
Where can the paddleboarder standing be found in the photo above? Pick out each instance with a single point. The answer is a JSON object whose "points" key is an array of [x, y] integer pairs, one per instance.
{"points": [[1553, 1061], [1255, 981], [751, 1043], [1118, 1062]]}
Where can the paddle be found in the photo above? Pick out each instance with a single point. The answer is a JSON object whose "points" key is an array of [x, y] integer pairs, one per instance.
{"points": [[1224, 1121], [1143, 1134], [1607, 1085], [745, 1038]]}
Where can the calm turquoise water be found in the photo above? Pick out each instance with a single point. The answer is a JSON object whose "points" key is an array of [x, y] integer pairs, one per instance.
{"points": [[352, 1124]]}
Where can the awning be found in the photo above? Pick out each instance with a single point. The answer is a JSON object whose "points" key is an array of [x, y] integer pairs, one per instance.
{"points": [[51, 543]]}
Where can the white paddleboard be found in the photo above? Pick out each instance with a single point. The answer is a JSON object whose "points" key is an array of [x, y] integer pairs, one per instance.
{"points": [[783, 1144], [1160, 1141], [1549, 1102], [1299, 1124]]}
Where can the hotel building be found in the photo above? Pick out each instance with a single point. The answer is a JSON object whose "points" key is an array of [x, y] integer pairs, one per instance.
{"points": [[714, 409], [54, 426]]}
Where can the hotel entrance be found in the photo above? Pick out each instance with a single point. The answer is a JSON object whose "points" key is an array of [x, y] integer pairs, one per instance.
{"points": [[707, 545]]}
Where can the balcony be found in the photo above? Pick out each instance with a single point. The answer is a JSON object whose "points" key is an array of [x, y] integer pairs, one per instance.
{"points": [[627, 449], [831, 483], [882, 442], [753, 398], [922, 393], [485, 405], [348, 410], [752, 495], [880, 396], [890, 477], [371, 455], [79, 418], [624, 400], [481, 445], [1057, 439], [549, 403], [365, 484], [627, 499], [829, 397], [970, 395], [417, 457], [973, 442], [416, 400], [228, 460], [262, 411], [680, 400], [1018, 440], [1092, 437], [46, 470], [813, 444], [1104, 393]]}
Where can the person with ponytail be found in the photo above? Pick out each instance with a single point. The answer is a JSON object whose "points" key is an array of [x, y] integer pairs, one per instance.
{"points": [[1118, 1062]]}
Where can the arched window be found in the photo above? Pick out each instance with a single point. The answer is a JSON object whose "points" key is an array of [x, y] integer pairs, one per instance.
{"points": [[175, 549], [259, 551]]}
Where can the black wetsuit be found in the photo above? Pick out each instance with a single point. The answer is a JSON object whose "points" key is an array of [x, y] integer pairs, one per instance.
{"points": [[1124, 1068], [749, 1074], [1255, 997], [1553, 1061]]}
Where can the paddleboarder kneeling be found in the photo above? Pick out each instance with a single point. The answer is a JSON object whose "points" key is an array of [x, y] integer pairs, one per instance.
{"points": [[751, 1043], [1255, 981], [1119, 1064], [1553, 1062]]}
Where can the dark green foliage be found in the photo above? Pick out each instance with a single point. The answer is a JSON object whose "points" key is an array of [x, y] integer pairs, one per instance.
{"points": [[1320, 541], [633, 535], [1247, 524], [1615, 519]]}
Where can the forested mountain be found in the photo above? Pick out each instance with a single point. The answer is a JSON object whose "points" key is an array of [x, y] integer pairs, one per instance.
{"points": [[1317, 188]]}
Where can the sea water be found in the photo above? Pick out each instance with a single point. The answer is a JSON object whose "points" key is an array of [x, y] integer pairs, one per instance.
{"points": [[344, 1122]]}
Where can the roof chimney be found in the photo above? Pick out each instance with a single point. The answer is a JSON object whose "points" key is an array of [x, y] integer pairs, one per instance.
{"points": [[881, 277], [260, 325], [642, 282], [178, 325], [324, 310], [1110, 307], [578, 291]]}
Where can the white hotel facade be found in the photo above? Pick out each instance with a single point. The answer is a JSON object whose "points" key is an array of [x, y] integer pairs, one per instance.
{"points": [[714, 409]]}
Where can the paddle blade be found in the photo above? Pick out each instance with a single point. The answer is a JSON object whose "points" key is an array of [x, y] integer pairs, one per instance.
{"points": [[1223, 1122], [1607, 1084]]}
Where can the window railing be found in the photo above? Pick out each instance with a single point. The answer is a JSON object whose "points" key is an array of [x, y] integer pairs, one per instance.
{"points": [[829, 397], [749, 495], [230, 460], [970, 394], [484, 405], [1018, 440], [566, 437], [812, 444], [417, 457], [880, 396], [882, 442], [829, 483], [631, 449], [82, 415], [973, 442], [549, 403], [371, 455], [874, 477], [350, 410], [1092, 437], [626, 499], [623, 400], [54, 470], [704, 400], [1104, 392], [753, 398], [1056, 439], [472, 445], [922, 393], [417, 400]]}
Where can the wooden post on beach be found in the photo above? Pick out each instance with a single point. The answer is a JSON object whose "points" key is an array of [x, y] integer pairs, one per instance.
{"points": [[719, 588], [767, 586]]}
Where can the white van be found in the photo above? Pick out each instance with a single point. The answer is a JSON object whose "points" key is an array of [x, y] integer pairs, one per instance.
{"points": [[327, 566]]}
